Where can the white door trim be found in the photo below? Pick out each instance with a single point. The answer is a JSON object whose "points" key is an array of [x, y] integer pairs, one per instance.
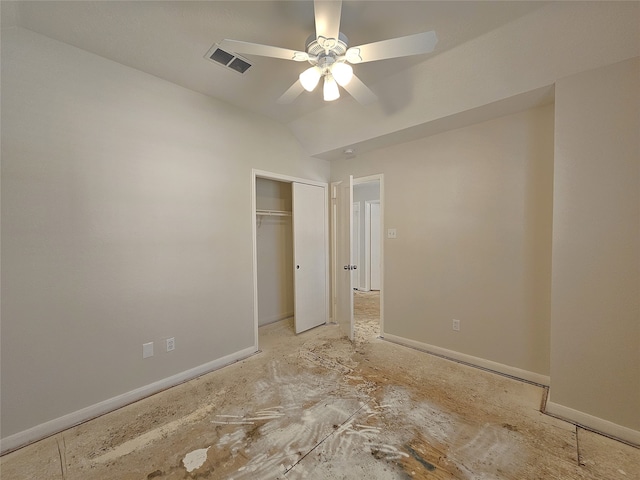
{"points": [[344, 256], [255, 173], [334, 246]]}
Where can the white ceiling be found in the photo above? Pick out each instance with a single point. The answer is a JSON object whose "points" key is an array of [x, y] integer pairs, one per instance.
{"points": [[169, 39]]}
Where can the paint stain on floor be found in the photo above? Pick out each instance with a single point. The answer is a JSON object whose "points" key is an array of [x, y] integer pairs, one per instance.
{"points": [[194, 460]]}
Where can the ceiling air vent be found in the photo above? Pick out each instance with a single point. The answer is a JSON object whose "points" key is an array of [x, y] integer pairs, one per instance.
{"points": [[228, 60]]}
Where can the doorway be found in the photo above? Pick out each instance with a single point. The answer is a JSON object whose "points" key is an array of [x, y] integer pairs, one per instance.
{"points": [[366, 300]]}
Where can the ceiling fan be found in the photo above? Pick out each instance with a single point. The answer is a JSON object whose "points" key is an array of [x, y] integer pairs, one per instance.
{"points": [[330, 56]]}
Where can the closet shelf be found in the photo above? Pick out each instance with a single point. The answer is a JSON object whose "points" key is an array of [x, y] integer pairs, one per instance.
{"points": [[273, 213]]}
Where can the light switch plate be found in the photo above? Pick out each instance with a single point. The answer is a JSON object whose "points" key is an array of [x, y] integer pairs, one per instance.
{"points": [[391, 233]]}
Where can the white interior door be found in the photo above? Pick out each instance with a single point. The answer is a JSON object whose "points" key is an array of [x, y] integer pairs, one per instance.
{"points": [[344, 254], [375, 246], [309, 256], [355, 245]]}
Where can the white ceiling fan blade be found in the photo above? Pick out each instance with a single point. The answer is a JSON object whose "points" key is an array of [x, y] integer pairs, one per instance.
{"points": [[395, 47], [327, 13], [292, 93], [360, 91], [247, 48]]}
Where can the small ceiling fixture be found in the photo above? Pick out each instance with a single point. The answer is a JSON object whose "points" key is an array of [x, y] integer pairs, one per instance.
{"points": [[329, 55]]}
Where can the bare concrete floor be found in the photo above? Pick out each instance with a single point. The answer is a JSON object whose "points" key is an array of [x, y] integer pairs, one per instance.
{"points": [[315, 406]]}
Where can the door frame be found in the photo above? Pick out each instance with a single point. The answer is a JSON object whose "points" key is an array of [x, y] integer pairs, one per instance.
{"points": [[255, 173], [334, 260]]}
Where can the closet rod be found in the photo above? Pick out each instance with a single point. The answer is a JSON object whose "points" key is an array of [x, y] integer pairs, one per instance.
{"points": [[276, 213]]}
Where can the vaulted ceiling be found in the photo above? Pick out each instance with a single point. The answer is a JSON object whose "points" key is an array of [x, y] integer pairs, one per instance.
{"points": [[169, 39]]}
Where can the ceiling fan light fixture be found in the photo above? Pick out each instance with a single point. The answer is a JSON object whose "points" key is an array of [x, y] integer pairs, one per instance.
{"points": [[342, 72], [330, 90], [328, 52], [310, 78]]}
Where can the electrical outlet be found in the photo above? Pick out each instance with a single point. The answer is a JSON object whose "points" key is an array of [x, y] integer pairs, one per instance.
{"points": [[147, 350], [171, 344], [392, 233], [456, 325]]}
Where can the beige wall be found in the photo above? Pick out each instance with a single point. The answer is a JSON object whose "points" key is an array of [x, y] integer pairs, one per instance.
{"points": [[595, 319], [478, 212], [472, 208], [126, 218]]}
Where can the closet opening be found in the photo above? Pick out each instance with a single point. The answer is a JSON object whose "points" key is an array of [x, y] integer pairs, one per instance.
{"points": [[290, 253], [274, 250]]}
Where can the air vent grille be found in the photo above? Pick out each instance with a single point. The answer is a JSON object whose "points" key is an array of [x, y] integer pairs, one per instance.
{"points": [[239, 65], [228, 60]]}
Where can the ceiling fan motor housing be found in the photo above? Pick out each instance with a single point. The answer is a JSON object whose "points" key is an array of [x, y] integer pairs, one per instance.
{"points": [[325, 48]]}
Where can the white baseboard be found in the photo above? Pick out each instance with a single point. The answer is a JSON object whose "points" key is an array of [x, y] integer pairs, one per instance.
{"points": [[59, 424], [593, 423], [471, 360]]}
